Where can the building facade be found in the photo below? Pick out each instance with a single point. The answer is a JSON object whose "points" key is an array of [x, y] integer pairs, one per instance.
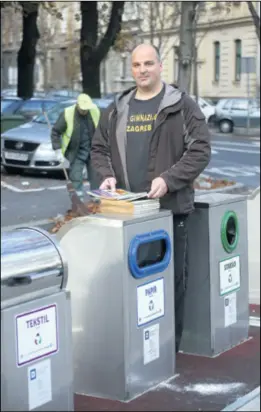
{"points": [[224, 36]]}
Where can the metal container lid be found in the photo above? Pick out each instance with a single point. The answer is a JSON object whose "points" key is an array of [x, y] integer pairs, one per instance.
{"points": [[32, 265], [209, 200]]}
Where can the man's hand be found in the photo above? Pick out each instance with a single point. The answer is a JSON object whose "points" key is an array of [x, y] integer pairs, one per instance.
{"points": [[59, 156], [108, 184], [158, 188]]}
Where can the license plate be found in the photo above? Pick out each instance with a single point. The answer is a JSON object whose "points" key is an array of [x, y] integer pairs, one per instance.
{"points": [[229, 275], [16, 156]]}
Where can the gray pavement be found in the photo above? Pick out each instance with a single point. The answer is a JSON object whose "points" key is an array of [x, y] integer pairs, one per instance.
{"points": [[235, 158]]}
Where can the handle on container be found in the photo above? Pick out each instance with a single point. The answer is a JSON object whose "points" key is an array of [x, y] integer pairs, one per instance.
{"points": [[154, 268]]}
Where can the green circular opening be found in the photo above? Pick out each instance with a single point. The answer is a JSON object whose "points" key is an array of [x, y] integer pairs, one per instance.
{"points": [[229, 231]]}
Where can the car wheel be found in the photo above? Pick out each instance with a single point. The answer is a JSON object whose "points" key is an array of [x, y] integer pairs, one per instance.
{"points": [[226, 126], [13, 170], [212, 121]]}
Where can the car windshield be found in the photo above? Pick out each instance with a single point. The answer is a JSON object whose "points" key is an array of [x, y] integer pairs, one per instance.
{"points": [[208, 101], [102, 103], [55, 111], [5, 104], [52, 114]]}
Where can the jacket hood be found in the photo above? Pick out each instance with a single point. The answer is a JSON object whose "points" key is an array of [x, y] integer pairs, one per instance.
{"points": [[171, 97]]}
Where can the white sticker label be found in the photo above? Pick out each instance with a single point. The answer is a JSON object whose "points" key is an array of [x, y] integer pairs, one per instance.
{"points": [[150, 301], [39, 384], [151, 343], [229, 275], [230, 302], [36, 334]]}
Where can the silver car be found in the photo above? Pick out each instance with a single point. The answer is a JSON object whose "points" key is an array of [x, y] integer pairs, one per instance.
{"points": [[29, 145], [232, 113]]}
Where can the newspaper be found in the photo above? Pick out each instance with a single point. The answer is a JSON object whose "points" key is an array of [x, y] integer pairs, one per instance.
{"points": [[118, 194]]}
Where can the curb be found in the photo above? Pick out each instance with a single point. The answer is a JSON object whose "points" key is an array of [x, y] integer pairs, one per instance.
{"points": [[244, 400], [253, 134]]}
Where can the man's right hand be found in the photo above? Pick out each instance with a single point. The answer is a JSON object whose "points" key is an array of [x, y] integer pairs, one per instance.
{"points": [[108, 184], [59, 156]]}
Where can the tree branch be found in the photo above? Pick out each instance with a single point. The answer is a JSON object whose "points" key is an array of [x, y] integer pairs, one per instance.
{"points": [[113, 29], [255, 17]]}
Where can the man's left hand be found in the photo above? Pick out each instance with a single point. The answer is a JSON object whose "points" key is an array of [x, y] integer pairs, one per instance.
{"points": [[158, 188]]}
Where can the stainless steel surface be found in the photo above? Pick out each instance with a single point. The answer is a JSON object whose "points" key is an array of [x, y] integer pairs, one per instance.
{"points": [[32, 264], [217, 199], [205, 330], [107, 343], [36, 328], [15, 381]]}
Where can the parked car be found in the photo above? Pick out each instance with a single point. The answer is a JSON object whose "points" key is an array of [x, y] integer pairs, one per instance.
{"points": [[64, 94], [15, 111], [233, 112], [207, 108], [29, 145], [12, 92]]}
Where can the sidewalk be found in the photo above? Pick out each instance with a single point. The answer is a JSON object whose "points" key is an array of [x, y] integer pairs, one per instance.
{"points": [[249, 402]]}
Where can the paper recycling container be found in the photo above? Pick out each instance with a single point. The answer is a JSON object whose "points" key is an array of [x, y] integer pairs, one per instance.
{"points": [[122, 290], [36, 330]]}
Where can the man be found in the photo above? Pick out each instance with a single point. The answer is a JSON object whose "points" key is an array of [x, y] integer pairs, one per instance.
{"points": [[71, 138], [154, 138]]}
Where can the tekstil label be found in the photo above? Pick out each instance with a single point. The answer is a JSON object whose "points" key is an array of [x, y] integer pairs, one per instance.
{"points": [[36, 334]]}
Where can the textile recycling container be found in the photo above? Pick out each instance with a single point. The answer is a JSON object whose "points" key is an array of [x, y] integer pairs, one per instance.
{"points": [[216, 305], [36, 329], [121, 283]]}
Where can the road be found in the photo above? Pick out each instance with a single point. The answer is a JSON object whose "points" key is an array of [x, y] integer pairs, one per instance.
{"points": [[235, 158], [33, 197]]}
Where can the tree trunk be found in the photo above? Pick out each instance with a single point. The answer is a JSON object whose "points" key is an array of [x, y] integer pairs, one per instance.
{"points": [[152, 22], [186, 44], [255, 17], [92, 54], [27, 52], [195, 70]]}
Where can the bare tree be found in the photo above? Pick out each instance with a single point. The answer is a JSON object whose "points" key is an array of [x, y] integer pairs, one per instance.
{"points": [[255, 16], [185, 48], [161, 18], [94, 50]]}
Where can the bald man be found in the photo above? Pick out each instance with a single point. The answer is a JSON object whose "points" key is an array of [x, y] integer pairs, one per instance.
{"points": [[154, 138], [71, 138]]}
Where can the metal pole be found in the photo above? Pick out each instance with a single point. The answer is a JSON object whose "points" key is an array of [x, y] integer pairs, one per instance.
{"points": [[248, 96]]}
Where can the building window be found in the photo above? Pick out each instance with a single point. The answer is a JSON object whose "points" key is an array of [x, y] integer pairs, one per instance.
{"points": [[123, 66], [12, 76], [216, 61], [238, 56]]}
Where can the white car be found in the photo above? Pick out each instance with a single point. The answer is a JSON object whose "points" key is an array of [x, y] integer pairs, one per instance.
{"points": [[207, 109]]}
